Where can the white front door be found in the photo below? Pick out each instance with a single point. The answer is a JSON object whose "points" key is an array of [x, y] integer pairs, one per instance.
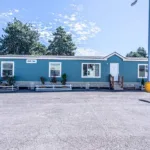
{"points": [[114, 70]]}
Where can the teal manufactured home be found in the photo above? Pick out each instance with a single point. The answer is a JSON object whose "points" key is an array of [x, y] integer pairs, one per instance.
{"points": [[81, 71]]}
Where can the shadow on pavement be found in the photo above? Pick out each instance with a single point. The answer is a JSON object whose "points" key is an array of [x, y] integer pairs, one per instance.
{"points": [[142, 100]]}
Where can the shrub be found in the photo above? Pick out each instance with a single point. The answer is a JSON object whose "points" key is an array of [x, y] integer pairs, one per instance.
{"points": [[142, 82], [42, 80], [53, 79], [9, 80], [64, 79]]}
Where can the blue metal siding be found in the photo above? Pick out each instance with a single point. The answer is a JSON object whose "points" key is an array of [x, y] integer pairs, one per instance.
{"points": [[131, 71], [128, 69], [32, 72], [116, 59]]}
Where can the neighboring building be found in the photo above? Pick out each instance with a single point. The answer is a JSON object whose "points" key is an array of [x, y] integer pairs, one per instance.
{"points": [[81, 71]]}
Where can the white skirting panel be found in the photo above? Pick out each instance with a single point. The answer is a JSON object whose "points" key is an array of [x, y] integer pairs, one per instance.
{"points": [[74, 84], [78, 84]]}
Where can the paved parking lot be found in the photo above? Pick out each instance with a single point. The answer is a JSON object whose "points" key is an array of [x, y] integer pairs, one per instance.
{"points": [[75, 121]]}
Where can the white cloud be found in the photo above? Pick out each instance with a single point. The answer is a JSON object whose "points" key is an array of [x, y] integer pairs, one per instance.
{"points": [[80, 28], [82, 38], [8, 13], [88, 52], [66, 22], [56, 20], [7, 16], [45, 30], [73, 17], [16, 10], [78, 8], [66, 17], [60, 15], [24, 9]]}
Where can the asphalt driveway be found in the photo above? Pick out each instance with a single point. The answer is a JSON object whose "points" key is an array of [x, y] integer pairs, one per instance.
{"points": [[75, 121]]}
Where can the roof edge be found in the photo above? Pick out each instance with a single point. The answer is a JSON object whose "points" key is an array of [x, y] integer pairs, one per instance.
{"points": [[51, 57], [115, 53]]}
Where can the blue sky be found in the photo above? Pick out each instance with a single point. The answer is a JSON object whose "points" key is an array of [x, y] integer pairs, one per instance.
{"points": [[99, 27]]}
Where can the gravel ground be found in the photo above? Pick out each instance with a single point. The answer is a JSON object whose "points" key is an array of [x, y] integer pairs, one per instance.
{"points": [[75, 121]]}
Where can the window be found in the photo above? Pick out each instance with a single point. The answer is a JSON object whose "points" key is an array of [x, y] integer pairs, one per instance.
{"points": [[90, 70], [55, 69], [142, 71], [7, 68]]}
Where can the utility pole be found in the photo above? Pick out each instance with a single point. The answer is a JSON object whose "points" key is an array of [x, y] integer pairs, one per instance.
{"points": [[147, 85]]}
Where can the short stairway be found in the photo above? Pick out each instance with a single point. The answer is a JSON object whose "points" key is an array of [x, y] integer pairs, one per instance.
{"points": [[117, 86]]}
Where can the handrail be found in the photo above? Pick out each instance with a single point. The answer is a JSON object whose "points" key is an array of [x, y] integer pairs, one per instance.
{"points": [[11, 87], [121, 81], [111, 80]]}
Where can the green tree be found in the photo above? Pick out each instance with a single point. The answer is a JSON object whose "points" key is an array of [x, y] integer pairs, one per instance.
{"points": [[61, 44], [38, 49], [20, 39], [141, 52]]}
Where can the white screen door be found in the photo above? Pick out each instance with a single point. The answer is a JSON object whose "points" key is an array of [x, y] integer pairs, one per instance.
{"points": [[114, 70]]}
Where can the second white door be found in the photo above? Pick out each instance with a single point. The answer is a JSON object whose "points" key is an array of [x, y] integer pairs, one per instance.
{"points": [[114, 70]]}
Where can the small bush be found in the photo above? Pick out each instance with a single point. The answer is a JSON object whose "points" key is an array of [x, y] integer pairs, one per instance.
{"points": [[142, 82], [53, 79], [64, 79], [42, 80], [9, 80]]}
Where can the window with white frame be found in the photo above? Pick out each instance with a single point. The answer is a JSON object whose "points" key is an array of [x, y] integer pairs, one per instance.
{"points": [[55, 69], [7, 68], [142, 71], [91, 70]]}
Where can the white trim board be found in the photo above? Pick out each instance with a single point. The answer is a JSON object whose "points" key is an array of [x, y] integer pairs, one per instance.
{"points": [[90, 77], [116, 75], [104, 58], [50, 67], [124, 58], [136, 60], [51, 58], [12, 62], [139, 72], [115, 53]]}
